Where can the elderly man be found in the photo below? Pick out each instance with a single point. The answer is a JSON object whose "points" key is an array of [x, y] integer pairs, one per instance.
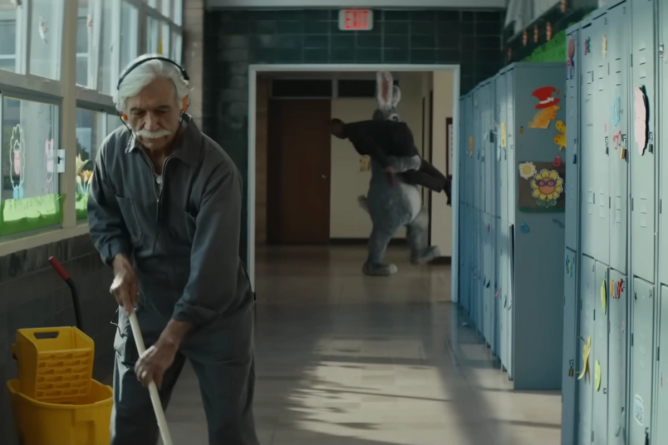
{"points": [[165, 213]]}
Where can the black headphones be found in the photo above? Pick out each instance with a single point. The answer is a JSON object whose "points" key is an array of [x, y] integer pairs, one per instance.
{"points": [[129, 69]]}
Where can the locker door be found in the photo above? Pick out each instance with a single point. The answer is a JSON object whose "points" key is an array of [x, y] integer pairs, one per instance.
{"points": [[618, 50], [642, 165], [503, 293], [617, 409], [641, 362], [512, 187], [663, 79], [587, 156], [489, 148], [487, 278], [572, 148], [600, 355], [598, 151], [588, 300], [569, 375], [662, 390]]}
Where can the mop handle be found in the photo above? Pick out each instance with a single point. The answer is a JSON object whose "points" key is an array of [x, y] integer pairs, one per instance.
{"points": [[152, 388]]}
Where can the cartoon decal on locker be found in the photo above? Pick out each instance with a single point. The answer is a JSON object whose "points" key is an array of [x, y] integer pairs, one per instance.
{"points": [[557, 161], [524, 228], [612, 289], [470, 146], [504, 135], [547, 106], [604, 47], [560, 139], [597, 375], [604, 298], [587, 46], [620, 288], [545, 190], [527, 170], [616, 110], [586, 349], [640, 127], [17, 164], [50, 166]]}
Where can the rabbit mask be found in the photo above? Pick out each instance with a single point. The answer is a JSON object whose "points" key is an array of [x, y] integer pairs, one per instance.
{"points": [[388, 96]]}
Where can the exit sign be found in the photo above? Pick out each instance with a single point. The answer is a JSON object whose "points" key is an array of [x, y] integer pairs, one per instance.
{"points": [[355, 20]]}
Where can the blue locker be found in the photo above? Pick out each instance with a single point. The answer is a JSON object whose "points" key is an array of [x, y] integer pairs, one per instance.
{"points": [[570, 352], [617, 376], [663, 134], [617, 123], [588, 300], [642, 362], [537, 308], [642, 164], [510, 244], [488, 144], [661, 434], [600, 353], [573, 49], [588, 184], [595, 142]]}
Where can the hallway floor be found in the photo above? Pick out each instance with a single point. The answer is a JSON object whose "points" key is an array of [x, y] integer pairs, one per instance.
{"points": [[351, 360]]}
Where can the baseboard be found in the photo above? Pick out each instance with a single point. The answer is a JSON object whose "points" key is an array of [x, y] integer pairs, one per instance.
{"points": [[442, 260], [363, 241]]}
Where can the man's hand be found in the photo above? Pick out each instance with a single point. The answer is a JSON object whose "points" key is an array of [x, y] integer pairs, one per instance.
{"points": [[124, 286], [157, 359], [389, 173]]}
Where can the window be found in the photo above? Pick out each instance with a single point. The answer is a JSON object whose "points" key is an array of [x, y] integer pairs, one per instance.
{"points": [[177, 49], [29, 165], [165, 40], [46, 22], [113, 122], [105, 77], [178, 12], [8, 36], [87, 51], [129, 34], [152, 35], [91, 132]]}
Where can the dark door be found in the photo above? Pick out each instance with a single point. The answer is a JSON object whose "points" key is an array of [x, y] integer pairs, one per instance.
{"points": [[298, 176]]}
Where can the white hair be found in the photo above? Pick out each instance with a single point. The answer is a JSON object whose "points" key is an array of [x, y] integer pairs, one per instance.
{"points": [[144, 74]]}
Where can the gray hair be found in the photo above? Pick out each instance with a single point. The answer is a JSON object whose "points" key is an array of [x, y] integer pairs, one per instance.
{"points": [[146, 73]]}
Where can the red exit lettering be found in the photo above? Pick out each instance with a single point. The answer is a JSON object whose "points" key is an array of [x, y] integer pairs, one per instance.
{"points": [[355, 20]]}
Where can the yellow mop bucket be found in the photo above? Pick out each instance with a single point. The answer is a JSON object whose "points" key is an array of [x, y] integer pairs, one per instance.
{"points": [[41, 423]]}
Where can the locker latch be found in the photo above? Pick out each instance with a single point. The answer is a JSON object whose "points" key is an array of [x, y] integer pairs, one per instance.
{"points": [[661, 50]]}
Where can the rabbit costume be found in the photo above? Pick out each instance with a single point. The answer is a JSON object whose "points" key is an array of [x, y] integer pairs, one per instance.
{"points": [[392, 208]]}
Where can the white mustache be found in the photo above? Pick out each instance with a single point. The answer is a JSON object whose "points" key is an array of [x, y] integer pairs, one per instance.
{"points": [[152, 134]]}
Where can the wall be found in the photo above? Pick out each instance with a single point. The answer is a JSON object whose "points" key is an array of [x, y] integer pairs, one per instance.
{"points": [[261, 141], [441, 214], [235, 39], [33, 295], [193, 54]]}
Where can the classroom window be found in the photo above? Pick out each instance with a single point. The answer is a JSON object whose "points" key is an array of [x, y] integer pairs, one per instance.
{"points": [[129, 33], [8, 36], [29, 166], [46, 22], [90, 132]]}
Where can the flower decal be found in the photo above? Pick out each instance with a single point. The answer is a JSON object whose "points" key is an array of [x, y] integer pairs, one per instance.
{"points": [[547, 187], [527, 170]]}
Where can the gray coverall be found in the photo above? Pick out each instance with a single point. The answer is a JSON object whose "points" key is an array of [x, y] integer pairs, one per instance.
{"points": [[183, 239]]}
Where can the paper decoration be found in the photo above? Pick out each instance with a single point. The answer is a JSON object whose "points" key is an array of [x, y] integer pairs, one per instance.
{"points": [[43, 30], [640, 128], [612, 289], [504, 135], [604, 46], [49, 186], [597, 375], [544, 191], [616, 110], [527, 170], [365, 163], [620, 288], [604, 297], [639, 410], [587, 46], [586, 349], [557, 161], [524, 228], [470, 146], [560, 139], [547, 106], [570, 63], [17, 164]]}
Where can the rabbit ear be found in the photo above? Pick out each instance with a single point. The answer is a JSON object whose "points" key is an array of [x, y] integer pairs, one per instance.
{"points": [[396, 96], [384, 89]]}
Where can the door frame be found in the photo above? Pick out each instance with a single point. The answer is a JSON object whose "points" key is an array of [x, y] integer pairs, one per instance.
{"points": [[253, 71]]}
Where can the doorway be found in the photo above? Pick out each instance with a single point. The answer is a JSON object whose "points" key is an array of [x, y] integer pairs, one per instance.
{"points": [[298, 174]]}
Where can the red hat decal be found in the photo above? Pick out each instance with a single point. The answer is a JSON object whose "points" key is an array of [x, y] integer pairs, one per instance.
{"points": [[545, 98]]}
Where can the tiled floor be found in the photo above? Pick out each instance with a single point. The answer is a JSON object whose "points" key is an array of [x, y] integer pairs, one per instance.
{"points": [[345, 359]]}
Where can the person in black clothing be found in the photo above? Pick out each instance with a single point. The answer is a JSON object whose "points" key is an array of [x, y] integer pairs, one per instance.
{"points": [[385, 139]]}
